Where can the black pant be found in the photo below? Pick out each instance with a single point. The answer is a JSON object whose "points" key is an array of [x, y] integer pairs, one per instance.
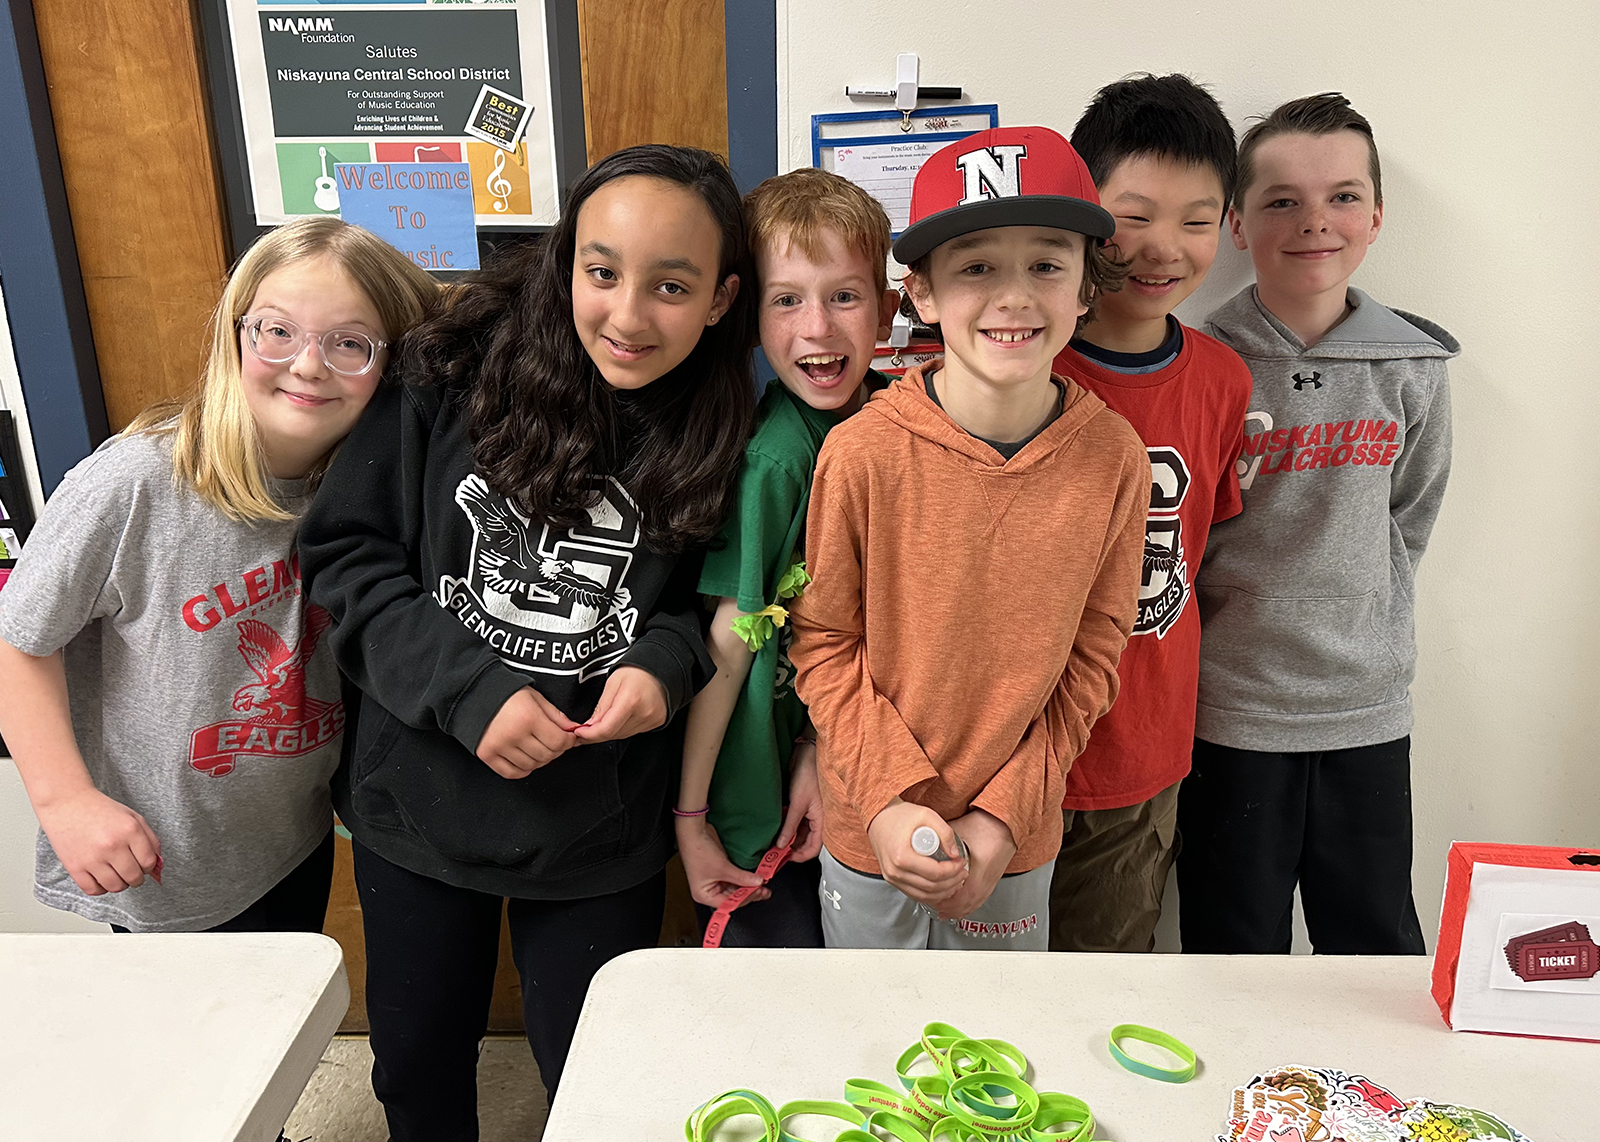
{"points": [[789, 918], [431, 954], [297, 903], [1338, 821]]}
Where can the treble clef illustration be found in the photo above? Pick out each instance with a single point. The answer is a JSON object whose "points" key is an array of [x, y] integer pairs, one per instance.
{"points": [[497, 185]]}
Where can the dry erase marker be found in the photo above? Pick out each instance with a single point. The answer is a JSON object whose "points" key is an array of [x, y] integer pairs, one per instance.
{"points": [[888, 92]]}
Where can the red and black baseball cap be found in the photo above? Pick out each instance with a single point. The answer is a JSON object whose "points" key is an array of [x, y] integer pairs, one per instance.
{"points": [[1005, 176]]}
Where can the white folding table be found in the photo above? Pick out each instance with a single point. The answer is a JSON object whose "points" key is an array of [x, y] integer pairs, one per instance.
{"points": [[665, 1029], [209, 1038]]}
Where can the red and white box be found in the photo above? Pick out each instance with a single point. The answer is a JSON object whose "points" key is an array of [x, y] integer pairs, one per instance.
{"points": [[1519, 941]]}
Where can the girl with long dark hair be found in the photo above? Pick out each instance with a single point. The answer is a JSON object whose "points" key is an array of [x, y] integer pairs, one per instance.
{"points": [[506, 544]]}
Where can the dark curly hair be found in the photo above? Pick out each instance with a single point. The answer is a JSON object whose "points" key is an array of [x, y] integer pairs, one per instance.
{"points": [[546, 428]]}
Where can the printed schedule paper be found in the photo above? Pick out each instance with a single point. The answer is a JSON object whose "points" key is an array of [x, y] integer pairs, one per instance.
{"points": [[886, 171]]}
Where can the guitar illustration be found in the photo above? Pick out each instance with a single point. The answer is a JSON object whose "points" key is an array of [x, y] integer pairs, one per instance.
{"points": [[327, 195]]}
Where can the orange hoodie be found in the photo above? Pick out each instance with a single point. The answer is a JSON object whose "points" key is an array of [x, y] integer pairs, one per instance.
{"points": [[963, 627]]}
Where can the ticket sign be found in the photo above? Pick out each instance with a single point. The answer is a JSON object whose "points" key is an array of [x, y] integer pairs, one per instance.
{"points": [[424, 210]]}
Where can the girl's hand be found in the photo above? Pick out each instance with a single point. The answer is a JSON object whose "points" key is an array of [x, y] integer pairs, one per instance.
{"points": [[105, 846], [633, 702], [803, 822], [527, 733], [712, 876], [924, 879], [989, 849]]}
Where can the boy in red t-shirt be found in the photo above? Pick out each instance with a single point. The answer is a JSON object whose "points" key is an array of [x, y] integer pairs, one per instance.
{"points": [[1162, 156]]}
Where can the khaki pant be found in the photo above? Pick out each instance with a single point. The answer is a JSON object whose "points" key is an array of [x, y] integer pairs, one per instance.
{"points": [[1109, 879]]}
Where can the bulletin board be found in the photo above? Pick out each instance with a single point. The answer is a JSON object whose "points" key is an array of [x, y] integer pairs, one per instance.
{"points": [[301, 87]]}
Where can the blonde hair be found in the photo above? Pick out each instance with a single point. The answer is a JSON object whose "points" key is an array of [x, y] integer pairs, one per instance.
{"points": [[216, 448], [804, 203]]}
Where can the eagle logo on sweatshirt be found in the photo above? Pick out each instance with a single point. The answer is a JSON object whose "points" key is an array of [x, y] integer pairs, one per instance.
{"points": [[548, 600]]}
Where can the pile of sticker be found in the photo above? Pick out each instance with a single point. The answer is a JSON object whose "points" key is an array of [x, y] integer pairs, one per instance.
{"points": [[976, 1091], [1313, 1104]]}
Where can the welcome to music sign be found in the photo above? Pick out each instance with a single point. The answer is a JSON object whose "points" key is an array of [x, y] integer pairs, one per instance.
{"points": [[400, 82]]}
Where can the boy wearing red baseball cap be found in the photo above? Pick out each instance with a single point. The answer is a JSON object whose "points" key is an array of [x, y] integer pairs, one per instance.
{"points": [[975, 536]]}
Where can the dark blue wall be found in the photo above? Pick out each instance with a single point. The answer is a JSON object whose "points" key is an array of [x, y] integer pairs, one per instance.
{"points": [[39, 273]]}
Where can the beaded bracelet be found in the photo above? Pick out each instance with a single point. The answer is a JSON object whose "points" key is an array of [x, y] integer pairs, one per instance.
{"points": [[696, 813]]}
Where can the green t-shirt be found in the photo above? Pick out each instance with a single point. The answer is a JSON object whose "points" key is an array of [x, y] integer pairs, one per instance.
{"points": [[762, 540]]}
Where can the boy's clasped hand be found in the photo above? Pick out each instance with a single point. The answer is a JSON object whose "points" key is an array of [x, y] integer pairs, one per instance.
{"points": [[951, 887]]}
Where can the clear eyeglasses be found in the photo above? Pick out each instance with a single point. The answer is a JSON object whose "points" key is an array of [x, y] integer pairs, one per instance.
{"points": [[277, 341]]}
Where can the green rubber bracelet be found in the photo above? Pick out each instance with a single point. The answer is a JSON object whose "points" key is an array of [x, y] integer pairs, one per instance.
{"points": [[927, 1096], [1160, 1039], [951, 1130], [1062, 1118], [870, 1096], [732, 1104], [970, 1057], [964, 1103], [935, 1044], [896, 1127], [823, 1108], [851, 1134]]}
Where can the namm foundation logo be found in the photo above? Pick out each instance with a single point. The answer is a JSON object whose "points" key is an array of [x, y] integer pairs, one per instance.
{"points": [[310, 29]]}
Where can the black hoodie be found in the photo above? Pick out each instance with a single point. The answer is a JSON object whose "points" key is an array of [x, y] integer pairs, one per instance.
{"points": [[445, 602]]}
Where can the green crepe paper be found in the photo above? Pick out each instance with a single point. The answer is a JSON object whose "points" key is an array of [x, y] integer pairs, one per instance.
{"points": [[757, 628]]}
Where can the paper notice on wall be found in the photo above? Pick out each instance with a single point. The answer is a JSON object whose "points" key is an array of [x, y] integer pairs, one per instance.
{"points": [[886, 171]]}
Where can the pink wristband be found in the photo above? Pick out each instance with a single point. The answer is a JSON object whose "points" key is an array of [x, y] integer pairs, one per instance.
{"points": [[697, 813]]}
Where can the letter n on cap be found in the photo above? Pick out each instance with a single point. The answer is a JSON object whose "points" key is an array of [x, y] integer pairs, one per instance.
{"points": [[991, 172]]}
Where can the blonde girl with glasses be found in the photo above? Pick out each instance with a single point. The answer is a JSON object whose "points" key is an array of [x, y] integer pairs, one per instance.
{"points": [[162, 686]]}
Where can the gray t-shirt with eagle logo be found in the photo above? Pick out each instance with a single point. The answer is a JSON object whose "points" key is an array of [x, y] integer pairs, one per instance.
{"points": [[201, 695]]}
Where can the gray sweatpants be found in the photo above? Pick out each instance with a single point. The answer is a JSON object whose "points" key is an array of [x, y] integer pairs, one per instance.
{"points": [[862, 911]]}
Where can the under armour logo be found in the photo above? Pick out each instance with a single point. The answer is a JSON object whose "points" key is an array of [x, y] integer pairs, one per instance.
{"points": [[831, 897], [1301, 382], [991, 172]]}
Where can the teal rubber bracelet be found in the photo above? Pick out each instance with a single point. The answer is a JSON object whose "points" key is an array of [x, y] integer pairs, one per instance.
{"points": [[1160, 1039], [964, 1103], [1062, 1118], [822, 1108], [732, 1104]]}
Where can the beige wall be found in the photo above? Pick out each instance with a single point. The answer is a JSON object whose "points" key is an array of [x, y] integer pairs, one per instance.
{"points": [[1484, 113]]}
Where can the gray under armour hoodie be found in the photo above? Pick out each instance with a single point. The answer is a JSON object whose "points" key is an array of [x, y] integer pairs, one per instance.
{"points": [[1306, 596]]}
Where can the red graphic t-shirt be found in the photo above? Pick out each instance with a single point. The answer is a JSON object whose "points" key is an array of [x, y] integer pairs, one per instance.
{"points": [[1190, 415]]}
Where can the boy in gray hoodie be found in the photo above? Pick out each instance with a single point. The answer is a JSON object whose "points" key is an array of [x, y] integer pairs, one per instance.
{"points": [[1302, 751]]}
